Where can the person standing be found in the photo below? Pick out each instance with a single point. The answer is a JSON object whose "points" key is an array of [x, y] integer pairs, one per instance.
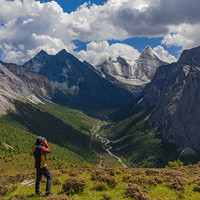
{"points": [[40, 149]]}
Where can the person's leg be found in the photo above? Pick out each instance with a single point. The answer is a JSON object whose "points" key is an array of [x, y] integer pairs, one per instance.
{"points": [[46, 172], [38, 179]]}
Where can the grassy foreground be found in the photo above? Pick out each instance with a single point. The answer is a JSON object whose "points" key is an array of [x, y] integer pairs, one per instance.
{"points": [[105, 184]]}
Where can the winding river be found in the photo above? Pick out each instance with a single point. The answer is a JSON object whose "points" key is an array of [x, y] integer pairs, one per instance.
{"points": [[106, 146]]}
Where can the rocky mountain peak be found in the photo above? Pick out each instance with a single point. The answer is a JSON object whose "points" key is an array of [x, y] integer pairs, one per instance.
{"points": [[41, 55], [62, 53], [35, 64], [148, 51], [190, 57]]}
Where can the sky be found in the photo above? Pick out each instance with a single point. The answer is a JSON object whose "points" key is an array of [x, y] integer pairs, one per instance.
{"points": [[96, 30]]}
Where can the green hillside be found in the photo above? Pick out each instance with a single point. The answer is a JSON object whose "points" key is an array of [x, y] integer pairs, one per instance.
{"points": [[66, 130], [132, 139]]}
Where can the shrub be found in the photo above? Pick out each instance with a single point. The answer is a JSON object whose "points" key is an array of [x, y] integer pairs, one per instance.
{"points": [[176, 163], [18, 197], [4, 189], [103, 177], [96, 174], [73, 186], [100, 186], [152, 172], [196, 188], [111, 181], [106, 197], [73, 173], [136, 192], [127, 178], [112, 172], [176, 186], [56, 182]]}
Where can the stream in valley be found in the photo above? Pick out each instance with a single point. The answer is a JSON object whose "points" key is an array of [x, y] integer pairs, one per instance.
{"points": [[105, 142]]}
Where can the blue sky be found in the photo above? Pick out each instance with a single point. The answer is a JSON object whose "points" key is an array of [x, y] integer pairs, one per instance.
{"points": [[98, 29], [71, 5]]}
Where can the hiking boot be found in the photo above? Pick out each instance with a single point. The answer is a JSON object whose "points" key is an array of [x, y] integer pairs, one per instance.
{"points": [[49, 194], [39, 193]]}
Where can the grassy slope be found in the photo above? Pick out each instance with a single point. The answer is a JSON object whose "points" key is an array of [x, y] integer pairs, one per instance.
{"points": [[140, 147], [170, 183], [67, 137]]}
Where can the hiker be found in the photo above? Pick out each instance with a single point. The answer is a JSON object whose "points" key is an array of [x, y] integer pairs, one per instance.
{"points": [[40, 149]]}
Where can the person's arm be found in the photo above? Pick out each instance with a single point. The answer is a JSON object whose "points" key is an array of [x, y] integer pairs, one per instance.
{"points": [[45, 148]]}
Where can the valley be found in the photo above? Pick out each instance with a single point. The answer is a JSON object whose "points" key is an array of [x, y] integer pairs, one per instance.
{"points": [[100, 146], [103, 138]]}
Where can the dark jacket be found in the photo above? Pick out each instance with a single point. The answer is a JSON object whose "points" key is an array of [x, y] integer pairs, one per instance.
{"points": [[40, 152]]}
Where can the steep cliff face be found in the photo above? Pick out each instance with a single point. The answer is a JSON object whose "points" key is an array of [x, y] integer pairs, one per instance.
{"points": [[174, 96], [13, 88], [84, 88], [38, 84], [134, 76], [147, 64]]}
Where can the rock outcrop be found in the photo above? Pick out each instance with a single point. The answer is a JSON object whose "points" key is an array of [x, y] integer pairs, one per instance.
{"points": [[13, 88], [174, 97]]}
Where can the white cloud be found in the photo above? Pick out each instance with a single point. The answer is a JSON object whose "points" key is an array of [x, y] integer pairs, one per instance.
{"points": [[98, 52], [164, 54], [175, 20], [185, 35]]}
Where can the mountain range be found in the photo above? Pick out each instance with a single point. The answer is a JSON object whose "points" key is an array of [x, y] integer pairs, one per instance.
{"points": [[84, 88], [133, 76]]}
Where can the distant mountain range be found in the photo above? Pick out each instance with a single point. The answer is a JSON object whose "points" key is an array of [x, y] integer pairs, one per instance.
{"points": [[67, 81], [83, 87], [135, 76]]}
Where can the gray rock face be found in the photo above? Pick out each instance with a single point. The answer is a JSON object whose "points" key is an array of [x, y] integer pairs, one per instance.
{"points": [[134, 76], [37, 84], [147, 64], [174, 95], [13, 88], [187, 152]]}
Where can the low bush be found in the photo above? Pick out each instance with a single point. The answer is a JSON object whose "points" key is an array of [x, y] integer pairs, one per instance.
{"points": [[56, 182], [106, 196], [4, 189], [100, 186], [102, 176], [73, 186], [196, 188], [73, 173], [151, 172], [136, 192], [176, 163]]}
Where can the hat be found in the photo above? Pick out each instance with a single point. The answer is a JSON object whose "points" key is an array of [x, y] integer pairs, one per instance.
{"points": [[39, 139]]}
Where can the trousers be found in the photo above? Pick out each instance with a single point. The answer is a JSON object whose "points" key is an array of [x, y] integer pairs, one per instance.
{"points": [[46, 172]]}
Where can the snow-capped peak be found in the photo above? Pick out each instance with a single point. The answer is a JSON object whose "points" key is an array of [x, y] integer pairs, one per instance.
{"points": [[148, 51]]}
